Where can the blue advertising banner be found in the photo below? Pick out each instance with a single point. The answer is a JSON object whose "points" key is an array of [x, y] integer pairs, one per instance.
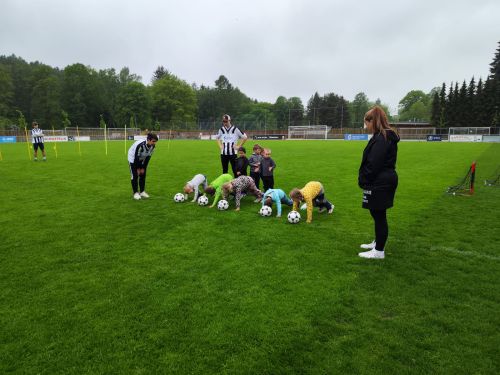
{"points": [[355, 137], [7, 139], [433, 138]]}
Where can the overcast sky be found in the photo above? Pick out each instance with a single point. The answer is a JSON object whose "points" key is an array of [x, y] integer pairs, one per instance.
{"points": [[266, 48]]}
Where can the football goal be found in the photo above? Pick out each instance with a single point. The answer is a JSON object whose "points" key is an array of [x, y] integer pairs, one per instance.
{"points": [[466, 186], [494, 180], [308, 132]]}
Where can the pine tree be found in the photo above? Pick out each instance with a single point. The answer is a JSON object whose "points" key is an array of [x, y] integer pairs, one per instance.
{"points": [[495, 88], [471, 103], [442, 104], [479, 101], [436, 110], [450, 107], [462, 106]]}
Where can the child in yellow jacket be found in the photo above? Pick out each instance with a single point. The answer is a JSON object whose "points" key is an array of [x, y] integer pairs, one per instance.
{"points": [[314, 195]]}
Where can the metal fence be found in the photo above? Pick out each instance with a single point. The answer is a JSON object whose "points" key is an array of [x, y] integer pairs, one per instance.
{"points": [[406, 133]]}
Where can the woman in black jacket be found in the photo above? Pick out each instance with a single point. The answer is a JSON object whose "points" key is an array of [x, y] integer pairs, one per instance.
{"points": [[378, 178]]}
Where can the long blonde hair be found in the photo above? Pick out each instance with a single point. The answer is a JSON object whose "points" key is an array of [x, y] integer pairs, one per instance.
{"points": [[380, 123]]}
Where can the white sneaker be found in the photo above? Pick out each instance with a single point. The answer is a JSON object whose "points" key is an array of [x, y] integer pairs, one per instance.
{"points": [[137, 196], [331, 209], [373, 254], [368, 246], [303, 207], [144, 195]]}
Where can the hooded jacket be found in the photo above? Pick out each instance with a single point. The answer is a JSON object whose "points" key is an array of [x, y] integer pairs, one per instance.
{"points": [[378, 166]]}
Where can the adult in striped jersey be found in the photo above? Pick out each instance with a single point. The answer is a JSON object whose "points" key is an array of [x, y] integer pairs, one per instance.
{"points": [[227, 139], [139, 155], [37, 140]]}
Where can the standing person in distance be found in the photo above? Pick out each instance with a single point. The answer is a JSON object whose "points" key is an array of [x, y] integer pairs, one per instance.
{"points": [[139, 155], [227, 139], [378, 178], [37, 140]]}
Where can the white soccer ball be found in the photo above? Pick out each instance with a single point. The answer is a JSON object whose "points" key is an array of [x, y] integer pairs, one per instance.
{"points": [[223, 205], [293, 217], [179, 197], [203, 200], [265, 211]]}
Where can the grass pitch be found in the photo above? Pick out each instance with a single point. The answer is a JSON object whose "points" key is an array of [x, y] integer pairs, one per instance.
{"points": [[92, 281]]}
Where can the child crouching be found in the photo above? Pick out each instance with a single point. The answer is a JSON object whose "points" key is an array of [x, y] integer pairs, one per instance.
{"points": [[314, 195], [194, 186], [239, 186], [277, 196]]}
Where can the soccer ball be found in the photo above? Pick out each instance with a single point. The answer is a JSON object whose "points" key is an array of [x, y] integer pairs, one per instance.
{"points": [[203, 200], [179, 197], [265, 211], [293, 217], [223, 205]]}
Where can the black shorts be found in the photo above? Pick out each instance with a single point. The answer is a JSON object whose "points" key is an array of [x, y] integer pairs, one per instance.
{"points": [[378, 199], [36, 145]]}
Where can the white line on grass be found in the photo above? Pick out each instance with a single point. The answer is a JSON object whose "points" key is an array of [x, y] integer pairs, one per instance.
{"points": [[464, 253]]}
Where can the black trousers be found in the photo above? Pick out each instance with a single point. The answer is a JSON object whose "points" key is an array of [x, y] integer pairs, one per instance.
{"points": [[256, 178], [136, 179], [225, 160], [381, 228], [268, 182]]}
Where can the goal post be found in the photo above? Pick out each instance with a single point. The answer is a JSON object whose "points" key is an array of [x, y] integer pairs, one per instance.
{"points": [[466, 186], [308, 132]]}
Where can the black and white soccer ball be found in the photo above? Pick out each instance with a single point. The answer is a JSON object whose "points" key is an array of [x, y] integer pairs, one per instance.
{"points": [[203, 200], [293, 217], [179, 197], [223, 205], [265, 211]]}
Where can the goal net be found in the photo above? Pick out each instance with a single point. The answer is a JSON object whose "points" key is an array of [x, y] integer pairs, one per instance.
{"points": [[469, 130], [494, 180], [308, 132], [466, 186]]}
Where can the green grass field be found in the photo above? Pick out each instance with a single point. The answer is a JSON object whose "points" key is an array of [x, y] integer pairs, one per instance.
{"points": [[93, 282]]}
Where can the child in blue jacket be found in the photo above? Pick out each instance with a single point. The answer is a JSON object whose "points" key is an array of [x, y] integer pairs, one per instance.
{"points": [[277, 196]]}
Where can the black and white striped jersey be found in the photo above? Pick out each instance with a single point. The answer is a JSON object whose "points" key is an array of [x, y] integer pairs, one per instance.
{"points": [[229, 137], [140, 153], [36, 135]]}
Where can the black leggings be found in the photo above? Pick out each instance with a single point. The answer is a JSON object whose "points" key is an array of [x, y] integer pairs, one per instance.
{"points": [[135, 178], [381, 228]]}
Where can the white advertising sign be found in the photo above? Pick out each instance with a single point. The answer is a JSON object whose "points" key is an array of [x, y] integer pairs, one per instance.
{"points": [[465, 138], [55, 138]]}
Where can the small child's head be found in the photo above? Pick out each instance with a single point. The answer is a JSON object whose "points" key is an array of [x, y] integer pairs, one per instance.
{"points": [[267, 153], [227, 188], [268, 201], [242, 152], [210, 190], [296, 195], [188, 189], [257, 149]]}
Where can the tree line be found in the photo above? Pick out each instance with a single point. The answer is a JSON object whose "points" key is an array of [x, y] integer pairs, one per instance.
{"points": [[469, 105], [79, 95]]}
